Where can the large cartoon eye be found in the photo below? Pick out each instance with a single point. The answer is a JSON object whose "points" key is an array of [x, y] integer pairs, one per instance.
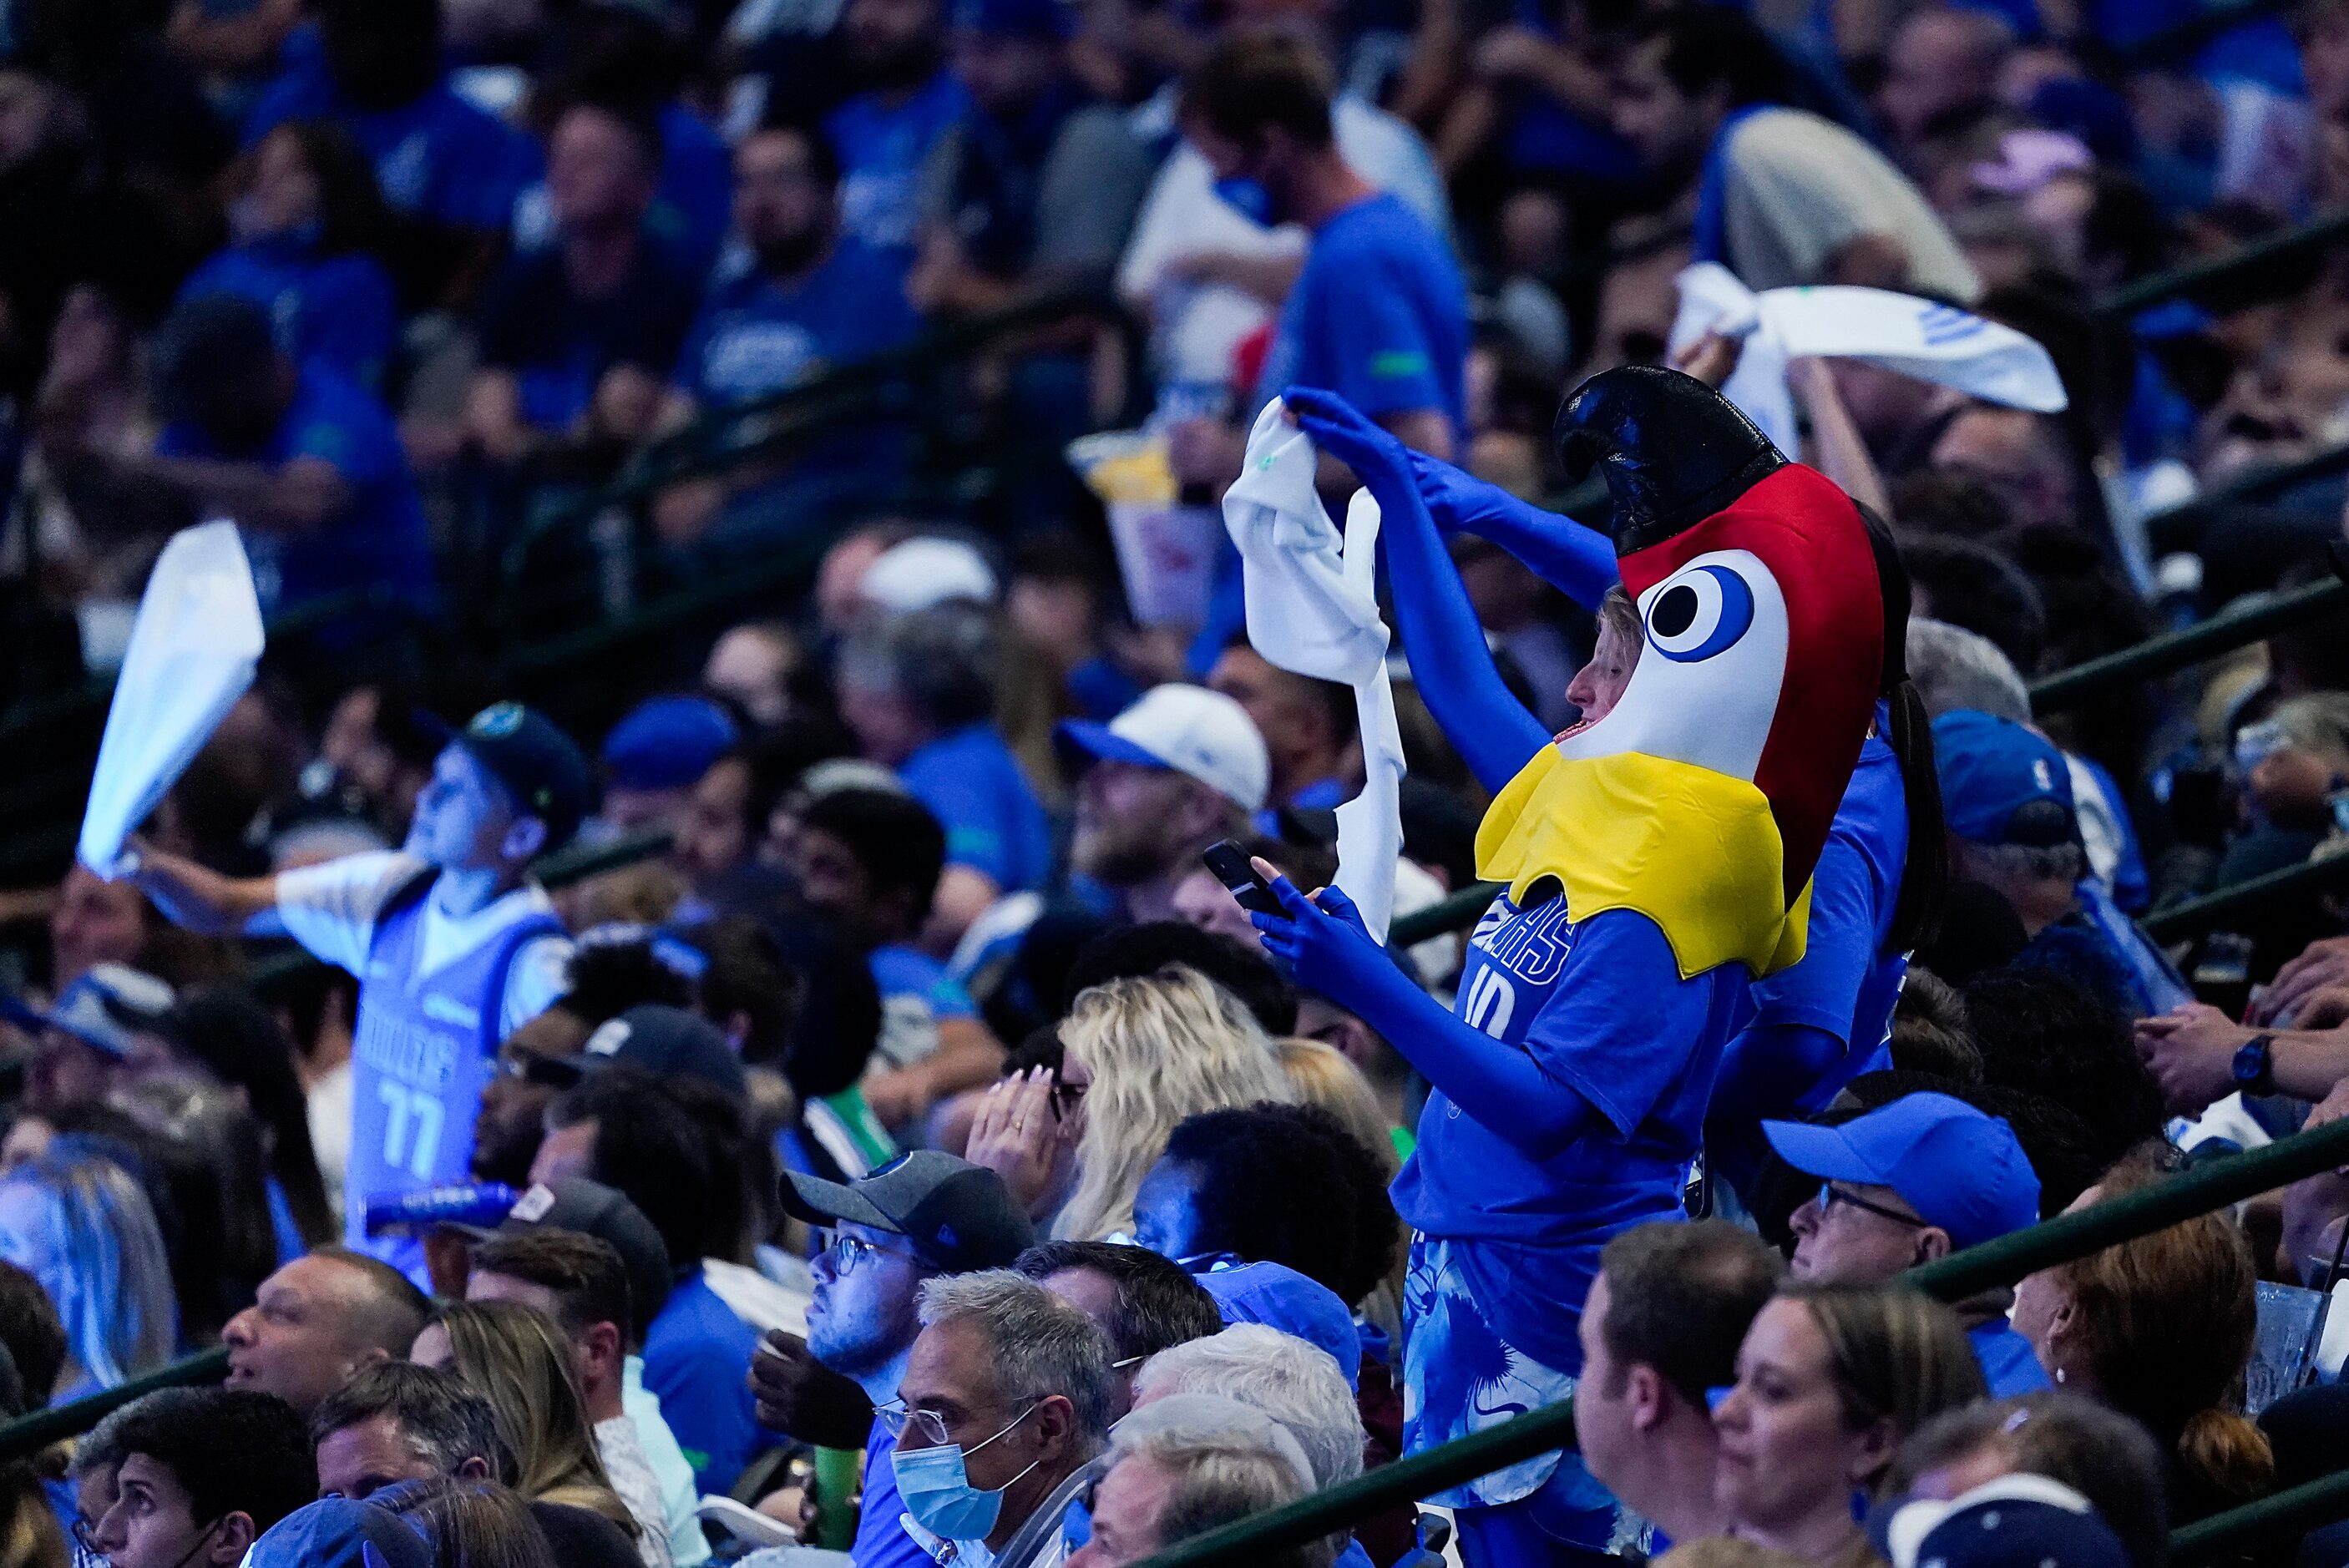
{"points": [[1701, 615]]}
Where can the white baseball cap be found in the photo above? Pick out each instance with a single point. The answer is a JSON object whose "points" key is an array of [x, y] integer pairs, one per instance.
{"points": [[1187, 728], [923, 573]]}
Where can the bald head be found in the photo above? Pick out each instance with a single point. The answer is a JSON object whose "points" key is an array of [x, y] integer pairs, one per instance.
{"points": [[319, 1319]]}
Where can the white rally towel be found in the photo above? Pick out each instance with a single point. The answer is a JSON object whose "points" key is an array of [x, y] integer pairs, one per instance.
{"points": [[1313, 609], [192, 654], [1938, 343]]}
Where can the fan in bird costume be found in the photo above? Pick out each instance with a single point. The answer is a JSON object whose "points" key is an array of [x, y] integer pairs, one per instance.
{"points": [[1657, 862]]}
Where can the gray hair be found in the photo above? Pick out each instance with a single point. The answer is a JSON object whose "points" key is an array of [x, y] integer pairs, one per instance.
{"points": [[1039, 1345], [443, 1422], [1215, 1476], [1955, 668], [1297, 1383], [2003, 865], [102, 1448], [944, 661]]}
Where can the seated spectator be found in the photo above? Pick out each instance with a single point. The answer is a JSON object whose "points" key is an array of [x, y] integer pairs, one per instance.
{"points": [[758, 666], [108, 1024], [1138, 1056], [514, 1356], [883, 135], [656, 753], [1144, 1302], [1829, 1380], [802, 299], [577, 338], [473, 1521], [1063, 600], [869, 863], [1005, 1369], [1193, 1464], [2049, 1036], [300, 231], [1661, 1330], [720, 845], [89, 1488], [1308, 728], [32, 1334], [1916, 1180], [2099, 1453], [317, 1320], [201, 1479], [918, 690], [335, 1532], [242, 1044], [74, 1221], [1956, 669], [2023, 458], [2160, 1328], [891, 1235], [95, 921]]}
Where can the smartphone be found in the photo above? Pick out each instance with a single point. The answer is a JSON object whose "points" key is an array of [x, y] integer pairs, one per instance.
{"points": [[1230, 864]]}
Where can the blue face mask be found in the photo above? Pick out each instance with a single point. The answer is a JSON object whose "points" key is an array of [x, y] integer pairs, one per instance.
{"points": [[1249, 195], [937, 1490]]}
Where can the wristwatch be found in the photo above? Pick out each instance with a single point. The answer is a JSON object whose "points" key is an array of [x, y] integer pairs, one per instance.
{"points": [[2255, 1065]]}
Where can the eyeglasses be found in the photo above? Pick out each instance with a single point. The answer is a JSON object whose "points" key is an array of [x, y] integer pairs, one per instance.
{"points": [[930, 1427], [1830, 1196], [847, 1252]]}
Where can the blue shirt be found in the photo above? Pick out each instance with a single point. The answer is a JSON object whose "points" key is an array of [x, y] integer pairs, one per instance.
{"points": [[756, 337], [558, 342], [435, 157], [908, 972], [994, 824], [881, 1539], [697, 1359], [1379, 316], [882, 150], [2008, 1363], [1600, 1005], [337, 309], [380, 539]]}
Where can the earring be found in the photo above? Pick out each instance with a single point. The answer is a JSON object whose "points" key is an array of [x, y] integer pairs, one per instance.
{"points": [[2059, 1375]]}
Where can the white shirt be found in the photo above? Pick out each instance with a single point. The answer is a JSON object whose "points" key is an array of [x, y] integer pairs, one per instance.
{"points": [[633, 1480], [687, 1544], [331, 909]]}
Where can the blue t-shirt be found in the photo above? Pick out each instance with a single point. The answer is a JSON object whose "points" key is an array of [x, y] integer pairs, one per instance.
{"points": [[1600, 1005], [558, 342], [882, 150], [994, 824], [881, 1539], [907, 972], [2008, 1363], [1379, 316], [697, 1359], [435, 157], [380, 539], [337, 309], [756, 337]]}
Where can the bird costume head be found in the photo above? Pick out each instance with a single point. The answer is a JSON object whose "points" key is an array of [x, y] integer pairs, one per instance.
{"points": [[1704, 799]]}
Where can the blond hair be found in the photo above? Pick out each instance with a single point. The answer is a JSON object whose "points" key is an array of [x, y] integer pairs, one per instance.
{"points": [[1160, 1049]]}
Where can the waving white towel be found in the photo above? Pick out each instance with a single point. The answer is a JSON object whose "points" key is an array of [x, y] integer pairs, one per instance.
{"points": [[1313, 610], [1936, 343]]}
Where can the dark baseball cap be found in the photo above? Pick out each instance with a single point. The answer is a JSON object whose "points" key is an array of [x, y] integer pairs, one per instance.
{"points": [[1960, 1168], [592, 1209], [543, 768], [667, 1042], [958, 1216]]}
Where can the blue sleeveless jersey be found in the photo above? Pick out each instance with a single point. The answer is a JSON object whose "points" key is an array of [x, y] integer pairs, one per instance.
{"points": [[425, 1049]]}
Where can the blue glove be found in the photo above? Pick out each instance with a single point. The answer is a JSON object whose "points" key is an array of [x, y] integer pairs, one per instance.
{"points": [[1576, 560], [1323, 941], [1381, 462]]}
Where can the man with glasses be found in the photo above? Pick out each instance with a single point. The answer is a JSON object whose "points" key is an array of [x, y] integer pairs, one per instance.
{"points": [[883, 1238], [1912, 1181], [201, 1479]]}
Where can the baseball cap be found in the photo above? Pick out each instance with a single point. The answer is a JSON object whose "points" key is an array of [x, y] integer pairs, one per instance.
{"points": [[110, 1005], [2024, 1518], [1015, 18], [923, 573], [541, 766], [1961, 1168], [1187, 728], [2002, 782], [337, 1533], [958, 1216], [1279, 1297], [592, 1209], [668, 742], [666, 1042]]}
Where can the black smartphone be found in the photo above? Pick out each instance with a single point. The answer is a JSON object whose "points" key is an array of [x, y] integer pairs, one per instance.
{"points": [[1230, 864]]}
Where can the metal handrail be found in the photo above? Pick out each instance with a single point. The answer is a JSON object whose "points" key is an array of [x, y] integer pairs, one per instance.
{"points": [[2173, 282], [2258, 617], [29, 1434]]}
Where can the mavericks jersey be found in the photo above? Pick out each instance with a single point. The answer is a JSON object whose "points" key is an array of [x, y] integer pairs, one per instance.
{"points": [[425, 1048]]}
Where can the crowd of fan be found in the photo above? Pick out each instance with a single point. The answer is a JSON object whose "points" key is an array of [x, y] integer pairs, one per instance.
{"points": [[927, 1099]]}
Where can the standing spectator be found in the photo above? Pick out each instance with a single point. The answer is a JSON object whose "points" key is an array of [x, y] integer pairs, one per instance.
{"points": [[1144, 1302], [300, 231], [800, 299], [451, 929], [1914, 1181], [76, 1223], [199, 1479], [577, 338], [1661, 1330], [919, 690], [885, 134], [319, 1319], [1175, 772], [1779, 196]]}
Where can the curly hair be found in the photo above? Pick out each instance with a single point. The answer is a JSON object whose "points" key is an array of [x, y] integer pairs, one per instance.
{"points": [[1288, 1184]]}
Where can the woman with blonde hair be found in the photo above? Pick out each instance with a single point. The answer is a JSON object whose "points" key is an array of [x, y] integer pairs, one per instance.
{"points": [[519, 1361], [1830, 1380], [2161, 1328], [1137, 1056]]}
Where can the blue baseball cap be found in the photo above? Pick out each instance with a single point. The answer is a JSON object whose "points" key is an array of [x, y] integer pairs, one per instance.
{"points": [[541, 767], [337, 1533], [1961, 1168], [2021, 1518], [1048, 20], [668, 742], [1279, 1297], [109, 1007], [2002, 782]]}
